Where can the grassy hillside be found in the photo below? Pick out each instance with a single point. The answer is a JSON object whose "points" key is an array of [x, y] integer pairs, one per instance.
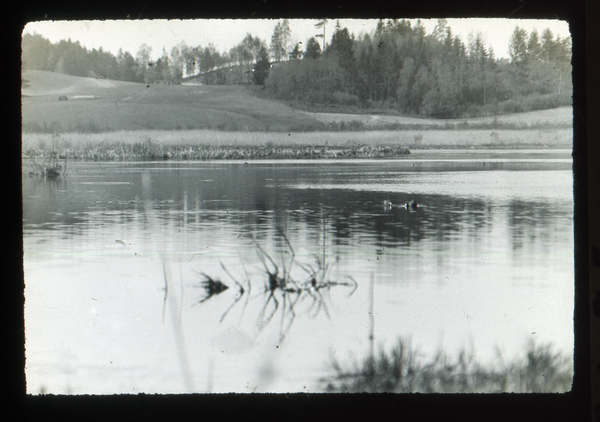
{"points": [[50, 83], [95, 105], [112, 106]]}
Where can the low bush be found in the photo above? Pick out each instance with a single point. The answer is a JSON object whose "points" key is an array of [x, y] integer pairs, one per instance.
{"points": [[344, 98]]}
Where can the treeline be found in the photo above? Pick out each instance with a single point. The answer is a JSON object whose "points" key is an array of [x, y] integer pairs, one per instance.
{"points": [[72, 58], [400, 67]]}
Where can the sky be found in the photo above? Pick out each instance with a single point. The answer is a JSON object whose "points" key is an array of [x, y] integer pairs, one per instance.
{"points": [[225, 34]]}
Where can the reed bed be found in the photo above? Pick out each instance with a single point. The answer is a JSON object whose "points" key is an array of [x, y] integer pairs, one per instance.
{"points": [[215, 145], [204, 146], [403, 370], [47, 163]]}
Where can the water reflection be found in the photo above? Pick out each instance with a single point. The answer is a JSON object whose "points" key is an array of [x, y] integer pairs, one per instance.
{"points": [[255, 254]]}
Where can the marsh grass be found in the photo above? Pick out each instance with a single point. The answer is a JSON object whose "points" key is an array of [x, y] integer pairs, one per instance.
{"points": [[327, 124], [208, 145], [404, 370], [47, 162], [496, 124]]}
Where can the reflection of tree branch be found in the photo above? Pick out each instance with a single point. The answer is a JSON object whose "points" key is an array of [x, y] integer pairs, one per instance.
{"points": [[166, 291], [241, 291], [281, 292]]}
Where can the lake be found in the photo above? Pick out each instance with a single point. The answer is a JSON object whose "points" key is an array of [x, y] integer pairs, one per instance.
{"points": [[155, 277]]}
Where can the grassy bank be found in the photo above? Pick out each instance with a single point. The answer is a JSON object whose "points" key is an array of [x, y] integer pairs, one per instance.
{"points": [[402, 370]]}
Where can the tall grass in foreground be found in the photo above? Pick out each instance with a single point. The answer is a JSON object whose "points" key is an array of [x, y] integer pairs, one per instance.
{"points": [[403, 371]]}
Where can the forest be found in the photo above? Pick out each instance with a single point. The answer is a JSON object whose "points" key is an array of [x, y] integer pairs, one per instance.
{"points": [[399, 68]]}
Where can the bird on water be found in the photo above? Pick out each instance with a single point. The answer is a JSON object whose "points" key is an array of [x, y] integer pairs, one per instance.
{"points": [[411, 205]]}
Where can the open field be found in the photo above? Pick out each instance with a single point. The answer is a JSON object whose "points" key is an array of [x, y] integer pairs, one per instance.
{"points": [[133, 106], [50, 83]]}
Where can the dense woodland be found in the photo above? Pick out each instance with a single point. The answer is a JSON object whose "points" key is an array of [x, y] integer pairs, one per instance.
{"points": [[397, 68]]}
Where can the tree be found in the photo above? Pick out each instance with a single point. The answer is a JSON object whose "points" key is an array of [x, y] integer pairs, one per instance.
{"points": [[405, 82], [478, 71], [341, 47], [142, 59], [534, 47], [432, 74], [440, 30], [102, 63], [441, 100], [563, 49], [422, 86], [37, 51], [286, 37], [322, 24], [192, 60], [163, 68], [368, 76], [296, 53], [261, 69], [313, 49], [126, 66], [280, 40], [209, 58], [517, 47], [379, 30], [548, 45], [70, 58], [181, 60], [448, 41]]}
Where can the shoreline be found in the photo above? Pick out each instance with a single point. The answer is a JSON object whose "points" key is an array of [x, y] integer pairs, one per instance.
{"points": [[413, 139], [555, 158], [47, 155]]}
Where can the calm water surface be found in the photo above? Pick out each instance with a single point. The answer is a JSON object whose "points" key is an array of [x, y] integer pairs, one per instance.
{"points": [[115, 256]]}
